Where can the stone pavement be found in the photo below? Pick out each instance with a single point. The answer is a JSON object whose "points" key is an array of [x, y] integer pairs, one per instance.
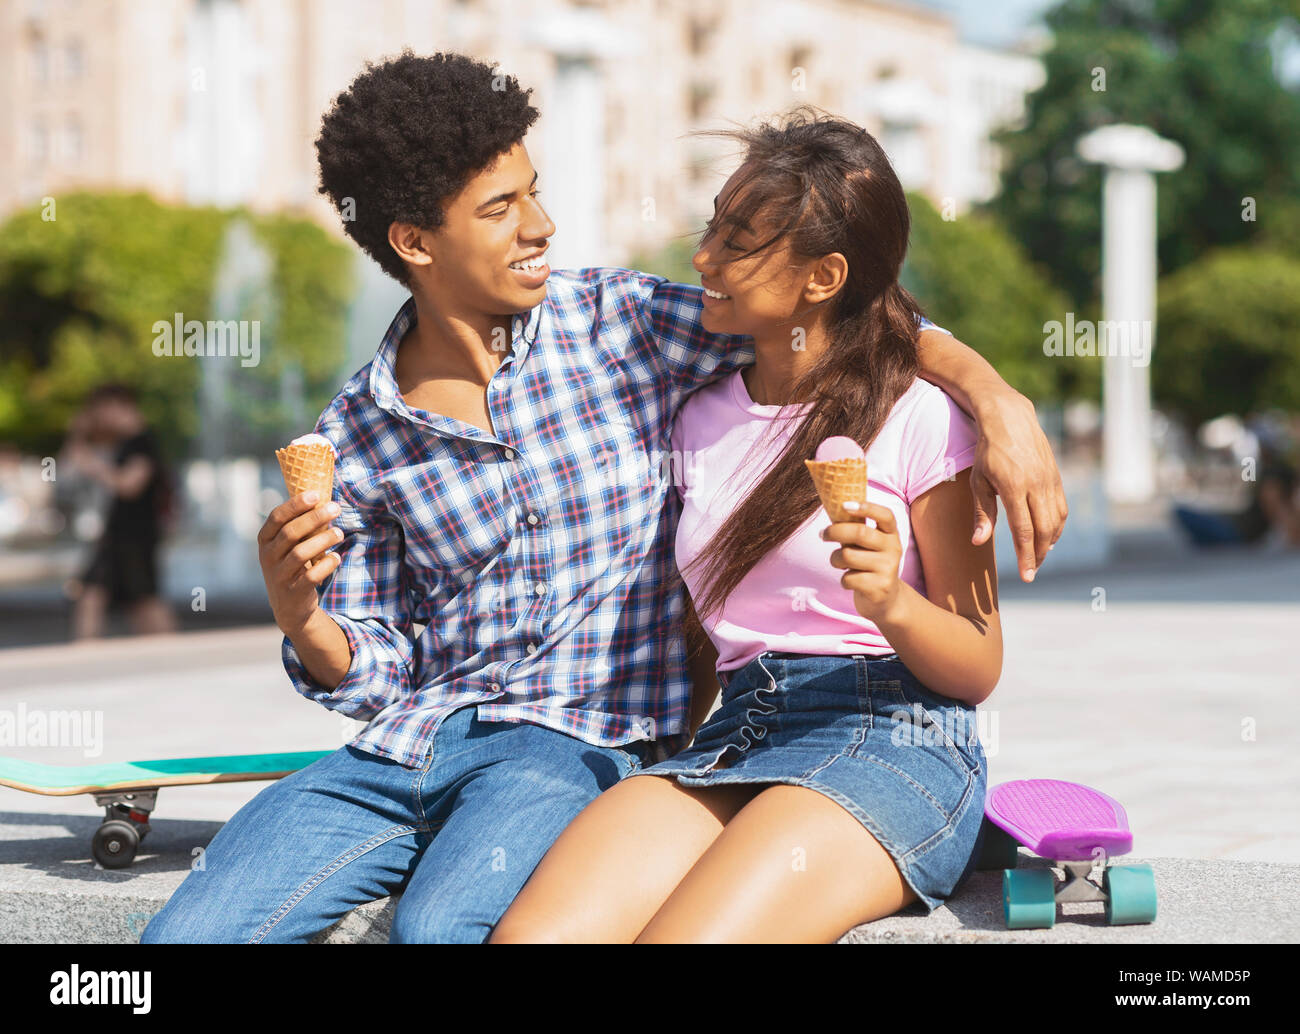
{"points": [[50, 892]]}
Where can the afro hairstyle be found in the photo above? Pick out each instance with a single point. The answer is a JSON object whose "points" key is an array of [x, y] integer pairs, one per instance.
{"points": [[407, 135]]}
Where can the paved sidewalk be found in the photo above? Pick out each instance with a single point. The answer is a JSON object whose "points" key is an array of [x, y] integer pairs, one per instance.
{"points": [[50, 892]]}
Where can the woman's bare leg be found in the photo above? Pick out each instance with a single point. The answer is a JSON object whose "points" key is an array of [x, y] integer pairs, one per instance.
{"points": [[152, 616], [88, 612], [618, 861], [791, 866]]}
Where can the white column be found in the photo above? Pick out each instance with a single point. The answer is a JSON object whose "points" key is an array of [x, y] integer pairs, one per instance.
{"points": [[581, 41], [1131, 156], [575, 172]]}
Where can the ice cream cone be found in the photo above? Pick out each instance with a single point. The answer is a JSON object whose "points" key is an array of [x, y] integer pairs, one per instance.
{"points": [[838, 482], [306, 468]]}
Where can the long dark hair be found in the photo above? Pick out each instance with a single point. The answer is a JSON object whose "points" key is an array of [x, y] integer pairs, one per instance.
{"points": [[827, 186]]}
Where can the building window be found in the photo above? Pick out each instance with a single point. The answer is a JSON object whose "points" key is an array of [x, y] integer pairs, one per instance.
{"points": [[697, 36], [40, 62], [699, 96], [905, 144], [74, 141], [73, 61], [37, 142]]}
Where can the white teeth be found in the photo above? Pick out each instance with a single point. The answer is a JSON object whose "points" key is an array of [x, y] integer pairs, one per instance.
{"points": [[715, 294], [530, 264]]}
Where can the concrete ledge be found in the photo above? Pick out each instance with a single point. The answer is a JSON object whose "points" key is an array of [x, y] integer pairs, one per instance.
{"points": [[51, 892]]}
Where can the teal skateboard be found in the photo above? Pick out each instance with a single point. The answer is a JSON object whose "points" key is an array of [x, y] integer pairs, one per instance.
{"points": [[128, 791]]}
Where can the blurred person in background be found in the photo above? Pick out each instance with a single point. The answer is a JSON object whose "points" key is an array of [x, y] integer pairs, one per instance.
{"points": [[1271, 519], [123, 570]]}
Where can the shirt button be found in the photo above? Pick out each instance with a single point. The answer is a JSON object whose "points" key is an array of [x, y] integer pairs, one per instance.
{"points": [[532, 518], [540, 588], [510, 454], [495, 687], [532, 648]]}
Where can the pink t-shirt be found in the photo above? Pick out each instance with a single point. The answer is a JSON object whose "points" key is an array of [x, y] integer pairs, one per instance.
{"points": [[792, 601]]}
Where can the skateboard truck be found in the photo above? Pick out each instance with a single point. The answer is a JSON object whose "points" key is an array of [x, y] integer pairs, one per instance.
{"points": [[1077, 885], [126, 823], [1072, 826]]}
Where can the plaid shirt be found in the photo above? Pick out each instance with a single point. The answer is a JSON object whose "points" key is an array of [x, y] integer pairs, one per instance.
{"points": [[535, 557]]}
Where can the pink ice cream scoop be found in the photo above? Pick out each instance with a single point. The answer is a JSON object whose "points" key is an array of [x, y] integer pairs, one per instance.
{"points": [[839, 448]]}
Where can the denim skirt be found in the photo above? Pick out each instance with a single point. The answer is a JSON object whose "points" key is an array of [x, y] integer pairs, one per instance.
{"points": [[862, 730]]}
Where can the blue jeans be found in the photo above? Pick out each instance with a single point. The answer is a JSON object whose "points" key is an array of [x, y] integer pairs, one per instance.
{"points": [[458, 837]]}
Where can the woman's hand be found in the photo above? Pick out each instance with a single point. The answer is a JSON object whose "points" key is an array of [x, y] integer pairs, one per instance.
{"points": [[870, 558]]}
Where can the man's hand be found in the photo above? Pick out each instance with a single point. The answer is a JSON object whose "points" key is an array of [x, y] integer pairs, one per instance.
{"points": [[1013, 459], [296, 532]]}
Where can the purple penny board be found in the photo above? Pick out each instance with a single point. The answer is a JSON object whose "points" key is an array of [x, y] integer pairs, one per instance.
{"points": [[1059, 820]]}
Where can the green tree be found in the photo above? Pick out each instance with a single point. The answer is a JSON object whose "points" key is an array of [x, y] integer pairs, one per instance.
{"points": [[974, 279], [672, 261], [1228, 335], [81, 292], [1204, 73]]}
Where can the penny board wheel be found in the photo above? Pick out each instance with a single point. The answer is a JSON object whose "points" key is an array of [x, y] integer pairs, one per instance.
{"points": [[1028, 898], [1130, 894], [999, 850]]}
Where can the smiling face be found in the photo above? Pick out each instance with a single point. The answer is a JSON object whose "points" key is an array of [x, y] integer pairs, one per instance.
{"points": [[488, 257], [760, 293]]}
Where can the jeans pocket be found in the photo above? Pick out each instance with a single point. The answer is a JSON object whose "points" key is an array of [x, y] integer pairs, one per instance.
{"points": [[948, 724], [924, 718]]}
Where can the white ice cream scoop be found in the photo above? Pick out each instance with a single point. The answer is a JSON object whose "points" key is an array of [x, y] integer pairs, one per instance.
{"points": [[314, 439]]}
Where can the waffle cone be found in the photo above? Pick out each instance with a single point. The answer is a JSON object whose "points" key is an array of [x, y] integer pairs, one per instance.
{"points": [[838, 482], [308, 467]]}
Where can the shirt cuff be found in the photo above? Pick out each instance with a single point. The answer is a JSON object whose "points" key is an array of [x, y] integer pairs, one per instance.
{"points": [[360, 693], [925, 324]]}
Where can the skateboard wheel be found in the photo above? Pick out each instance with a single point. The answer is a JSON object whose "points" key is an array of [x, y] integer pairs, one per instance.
{"points": [[999, 850], [1130, 894], [114, 844], [1028, 898]]}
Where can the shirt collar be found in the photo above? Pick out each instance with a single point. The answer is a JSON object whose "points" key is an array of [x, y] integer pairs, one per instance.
{"points": [[383, 376]]}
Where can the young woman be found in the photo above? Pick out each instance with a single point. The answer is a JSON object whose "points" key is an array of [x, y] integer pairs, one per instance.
{"points": [[841, 777]]}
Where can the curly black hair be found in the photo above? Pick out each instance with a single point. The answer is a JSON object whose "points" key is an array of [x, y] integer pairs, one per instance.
{"points": [[406, 135]]}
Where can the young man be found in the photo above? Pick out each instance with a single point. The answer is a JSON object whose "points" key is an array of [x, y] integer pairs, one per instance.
{"points": [[497, 485]]}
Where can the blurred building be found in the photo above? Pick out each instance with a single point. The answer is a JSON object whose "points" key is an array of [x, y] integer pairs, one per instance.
{"points": [[218, 101]]}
